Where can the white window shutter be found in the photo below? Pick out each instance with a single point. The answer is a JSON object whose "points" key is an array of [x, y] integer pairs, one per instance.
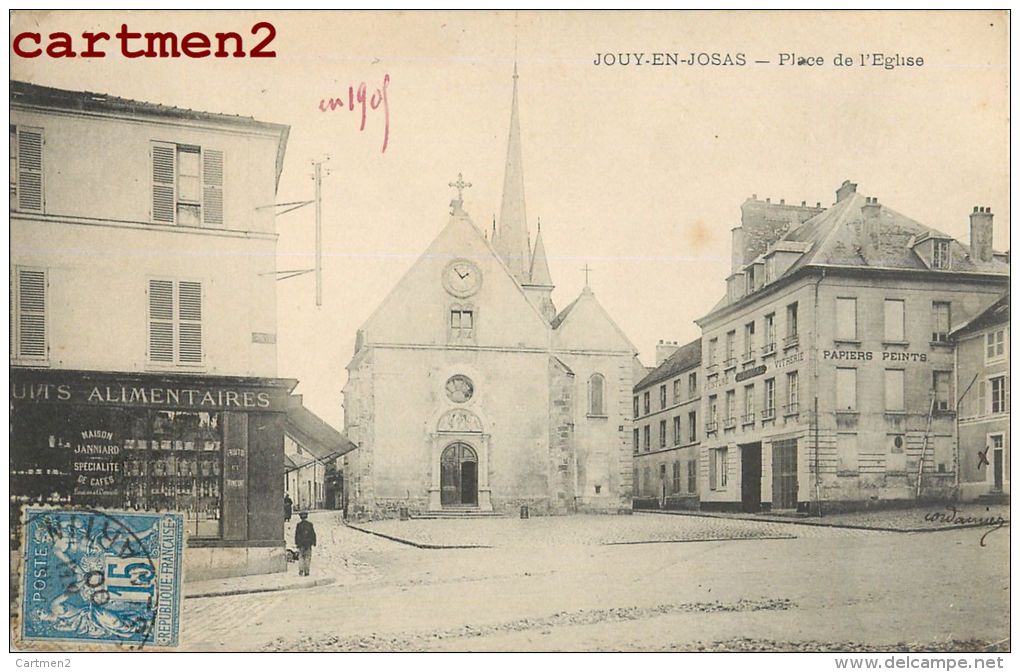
{"points": [[161, 321], [212, 187], [164, 180], [31, 313], [30, 175], [190, 322]]}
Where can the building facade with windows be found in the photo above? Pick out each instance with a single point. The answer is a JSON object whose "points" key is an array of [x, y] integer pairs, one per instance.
{"points": [[312, 449], [982, 376], [667, 429], [143, 321], [828, 366], [468, 391]]}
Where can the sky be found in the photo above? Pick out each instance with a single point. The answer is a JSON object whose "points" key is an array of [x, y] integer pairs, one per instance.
{"points": [[636, 171]]}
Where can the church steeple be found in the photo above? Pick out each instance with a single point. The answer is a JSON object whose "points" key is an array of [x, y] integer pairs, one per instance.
{"points": [[511, 240], [539, 270]]}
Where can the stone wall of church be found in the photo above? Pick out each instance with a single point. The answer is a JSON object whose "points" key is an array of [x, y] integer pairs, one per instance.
{"points": [[602, 439], [359, 423], [562, 461]]}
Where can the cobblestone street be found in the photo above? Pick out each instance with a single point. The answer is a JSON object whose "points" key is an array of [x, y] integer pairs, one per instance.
{"points": [[587, 583]]}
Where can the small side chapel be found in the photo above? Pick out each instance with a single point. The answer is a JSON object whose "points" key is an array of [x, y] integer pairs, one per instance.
{"points": [[468, 391]]}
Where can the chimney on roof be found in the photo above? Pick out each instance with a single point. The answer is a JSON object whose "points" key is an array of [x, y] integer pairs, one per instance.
{"points": [[981, 234], [871, 226], [738, 250], [664, 350], [845, 190]]}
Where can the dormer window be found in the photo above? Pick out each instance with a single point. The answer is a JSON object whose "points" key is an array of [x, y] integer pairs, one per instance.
{"points": [[770, 270], [749, 276], [940, 254]]}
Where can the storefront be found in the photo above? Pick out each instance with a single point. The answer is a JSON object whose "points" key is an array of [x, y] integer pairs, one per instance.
{"points": [[210, 448]]}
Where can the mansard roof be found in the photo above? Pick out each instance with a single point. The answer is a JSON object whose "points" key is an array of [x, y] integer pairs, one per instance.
{"points": [[686, 358]]}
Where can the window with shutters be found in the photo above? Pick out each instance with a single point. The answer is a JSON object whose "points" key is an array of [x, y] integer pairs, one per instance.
{"points": [[187, 185], [28, 315], [26, 176], [175, 322]]}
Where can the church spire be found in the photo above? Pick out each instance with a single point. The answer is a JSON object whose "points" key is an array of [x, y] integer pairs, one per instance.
{"points": [[512, 240], [539, 271]]}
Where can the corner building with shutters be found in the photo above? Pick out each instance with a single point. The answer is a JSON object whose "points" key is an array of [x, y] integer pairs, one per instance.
{"points": [[143, 364], [829, 371]]}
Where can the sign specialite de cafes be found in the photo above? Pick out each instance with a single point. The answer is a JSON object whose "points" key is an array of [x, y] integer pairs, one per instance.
{"points": [[198, 396]]}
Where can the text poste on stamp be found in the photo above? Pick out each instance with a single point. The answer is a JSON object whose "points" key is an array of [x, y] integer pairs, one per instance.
{"points": [[100, 578]]}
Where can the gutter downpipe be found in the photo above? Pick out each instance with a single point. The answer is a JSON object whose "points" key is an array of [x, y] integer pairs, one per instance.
{"points": [[818, 470]]}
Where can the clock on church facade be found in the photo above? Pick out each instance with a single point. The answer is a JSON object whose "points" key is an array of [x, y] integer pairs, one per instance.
{"points": [[462, 278]]}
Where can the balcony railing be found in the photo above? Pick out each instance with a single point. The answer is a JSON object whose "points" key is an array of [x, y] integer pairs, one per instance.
{"points": [[730, 363], [792, 408], [711, 426], [729, 423], [791, 340], [749, 354], [768, 414], [768, 348], [748, 418]]}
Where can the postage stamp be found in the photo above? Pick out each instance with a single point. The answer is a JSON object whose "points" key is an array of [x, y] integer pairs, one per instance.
{"points": [[101, 578]]}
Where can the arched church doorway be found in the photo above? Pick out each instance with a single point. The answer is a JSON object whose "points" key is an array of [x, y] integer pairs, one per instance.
{"points": [[459, 475]]}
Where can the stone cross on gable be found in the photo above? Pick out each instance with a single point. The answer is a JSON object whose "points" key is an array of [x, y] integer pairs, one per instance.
{"points": [[460, 185], [587, 269]]}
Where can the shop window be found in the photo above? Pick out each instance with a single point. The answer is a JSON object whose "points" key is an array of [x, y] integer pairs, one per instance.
{"points": [[131, 459], [26, 170], [187, 185], [28, 315], [175, 322]]}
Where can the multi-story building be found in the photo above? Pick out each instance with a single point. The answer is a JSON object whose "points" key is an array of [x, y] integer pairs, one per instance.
{"points": [[828, 366], [143, 321], [312, 449], [982, 376], [667, 429]]}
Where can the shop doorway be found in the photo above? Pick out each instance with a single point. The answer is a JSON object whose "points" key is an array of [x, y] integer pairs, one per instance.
{"points": [[997, 462], [750, 477], [784, 474], [459, 475]]}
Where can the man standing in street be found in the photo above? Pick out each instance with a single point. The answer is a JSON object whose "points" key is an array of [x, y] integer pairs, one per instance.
{"points": [[288, 508], [304, 539]]}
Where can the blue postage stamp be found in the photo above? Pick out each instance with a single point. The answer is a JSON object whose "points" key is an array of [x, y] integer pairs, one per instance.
{"points": [[94, 577]]}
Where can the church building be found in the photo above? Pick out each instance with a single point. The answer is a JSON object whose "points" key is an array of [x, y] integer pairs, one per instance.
{"points": [[469, 391]]}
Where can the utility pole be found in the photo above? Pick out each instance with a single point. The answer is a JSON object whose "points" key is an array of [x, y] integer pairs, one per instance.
{"points": [[318, 233], [294, 205]]}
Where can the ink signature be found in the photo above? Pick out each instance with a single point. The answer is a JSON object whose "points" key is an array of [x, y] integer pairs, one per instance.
{"points": [[953, 517], [358, 100]]}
